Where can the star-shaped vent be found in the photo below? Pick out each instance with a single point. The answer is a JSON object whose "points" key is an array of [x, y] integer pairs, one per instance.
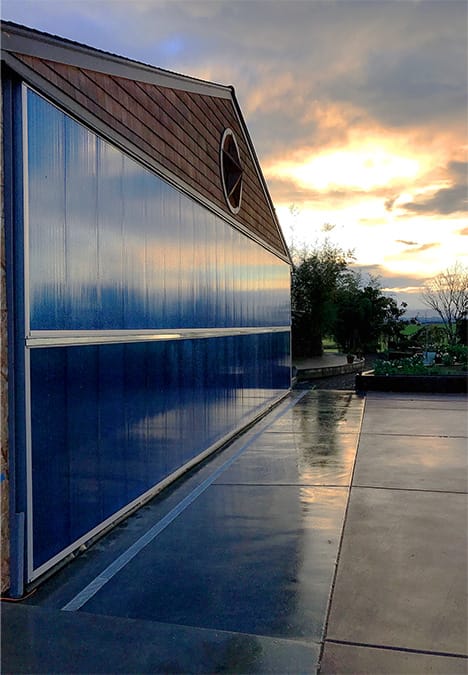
{"points": [[231, 170]]}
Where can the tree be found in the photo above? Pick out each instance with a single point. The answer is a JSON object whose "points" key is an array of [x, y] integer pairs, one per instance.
{"points": [[314, 283], [447, 295], [462, 331], [364, 315]]}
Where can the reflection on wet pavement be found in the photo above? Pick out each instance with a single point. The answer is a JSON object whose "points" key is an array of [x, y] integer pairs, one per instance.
{"points": [[314, 444], [255, 553], [321, 414], [250, 559], [314, 463]]}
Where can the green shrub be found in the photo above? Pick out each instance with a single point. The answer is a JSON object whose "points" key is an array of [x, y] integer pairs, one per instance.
{"points": [[450, 361], [455, 354], [412, 365]]}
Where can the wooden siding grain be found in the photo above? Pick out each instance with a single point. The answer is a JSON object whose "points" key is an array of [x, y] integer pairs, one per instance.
{"points": [[179, 130]]}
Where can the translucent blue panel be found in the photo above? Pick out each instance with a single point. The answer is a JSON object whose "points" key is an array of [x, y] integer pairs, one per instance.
{"points": [[109, 422], [112, 246], [47, 198]]}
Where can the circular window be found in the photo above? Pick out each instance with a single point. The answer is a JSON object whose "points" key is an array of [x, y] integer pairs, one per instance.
{"points": [[231, 170]]}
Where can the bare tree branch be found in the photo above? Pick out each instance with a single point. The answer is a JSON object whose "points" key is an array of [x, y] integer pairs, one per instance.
{"points": [[447, 295]]}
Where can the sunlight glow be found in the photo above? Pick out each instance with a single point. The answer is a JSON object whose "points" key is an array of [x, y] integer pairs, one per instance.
{"points": [[363, 168]]}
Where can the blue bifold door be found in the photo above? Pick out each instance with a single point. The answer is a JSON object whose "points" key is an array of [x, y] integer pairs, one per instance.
{"points": [[154, 330]]}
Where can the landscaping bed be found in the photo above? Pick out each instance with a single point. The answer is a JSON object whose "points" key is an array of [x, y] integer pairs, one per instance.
{"points": [[418, 373], [433, 384]]}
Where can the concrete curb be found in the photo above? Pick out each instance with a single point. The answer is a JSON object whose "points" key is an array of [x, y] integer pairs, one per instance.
{"points": [[329, 371]]}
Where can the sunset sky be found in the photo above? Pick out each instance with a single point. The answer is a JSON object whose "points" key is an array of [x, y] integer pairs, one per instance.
{"points": [[357, 110]]}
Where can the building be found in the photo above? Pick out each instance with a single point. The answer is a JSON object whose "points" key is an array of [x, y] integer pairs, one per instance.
{"points": [[145, 289]]}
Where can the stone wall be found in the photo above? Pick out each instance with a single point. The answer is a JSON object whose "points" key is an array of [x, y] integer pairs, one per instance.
{"points": [[4, 510]]}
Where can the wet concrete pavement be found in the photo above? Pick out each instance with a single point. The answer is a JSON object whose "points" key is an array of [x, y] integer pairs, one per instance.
{"points": [[232, 569], [400, 597]]}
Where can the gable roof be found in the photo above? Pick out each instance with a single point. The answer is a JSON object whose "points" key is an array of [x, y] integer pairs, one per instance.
{"points": [[173, 123]]}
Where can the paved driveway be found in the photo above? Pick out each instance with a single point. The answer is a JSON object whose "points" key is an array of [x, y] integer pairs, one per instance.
{"points": [[232, 569]]}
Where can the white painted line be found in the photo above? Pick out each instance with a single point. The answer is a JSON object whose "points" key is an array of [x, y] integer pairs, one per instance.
{"points": [[119, 563]]}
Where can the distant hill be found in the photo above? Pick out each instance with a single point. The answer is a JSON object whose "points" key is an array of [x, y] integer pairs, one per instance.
{"points": [[422, 315]]}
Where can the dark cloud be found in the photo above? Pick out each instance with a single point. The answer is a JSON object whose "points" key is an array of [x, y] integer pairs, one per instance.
{"points": [[444, 202], [407, 243], [276, 131], [417, 86], [389, 203], [400, 64], [286, 191], [402, 288], [389, 279], [416, 74], [447, 200]]}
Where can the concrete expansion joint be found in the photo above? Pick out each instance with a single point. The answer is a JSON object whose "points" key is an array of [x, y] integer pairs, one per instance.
{"points": [[408, 489], [393, 648]]}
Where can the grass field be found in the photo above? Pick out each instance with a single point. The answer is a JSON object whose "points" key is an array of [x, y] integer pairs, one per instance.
{"points": [[329, 344], [413, 328]]}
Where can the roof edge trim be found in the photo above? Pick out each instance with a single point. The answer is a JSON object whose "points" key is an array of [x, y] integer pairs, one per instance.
{"points": [[31, 42], [259, 171]]}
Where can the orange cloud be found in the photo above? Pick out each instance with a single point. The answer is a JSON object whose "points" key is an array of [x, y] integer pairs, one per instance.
{"points": [[420, 249]]}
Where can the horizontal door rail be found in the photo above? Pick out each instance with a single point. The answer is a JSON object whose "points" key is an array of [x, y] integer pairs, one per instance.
{"points": [[64, 338]]}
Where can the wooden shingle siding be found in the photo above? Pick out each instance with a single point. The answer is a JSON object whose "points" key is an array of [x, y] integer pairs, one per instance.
{"points": [[178, 129]]}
